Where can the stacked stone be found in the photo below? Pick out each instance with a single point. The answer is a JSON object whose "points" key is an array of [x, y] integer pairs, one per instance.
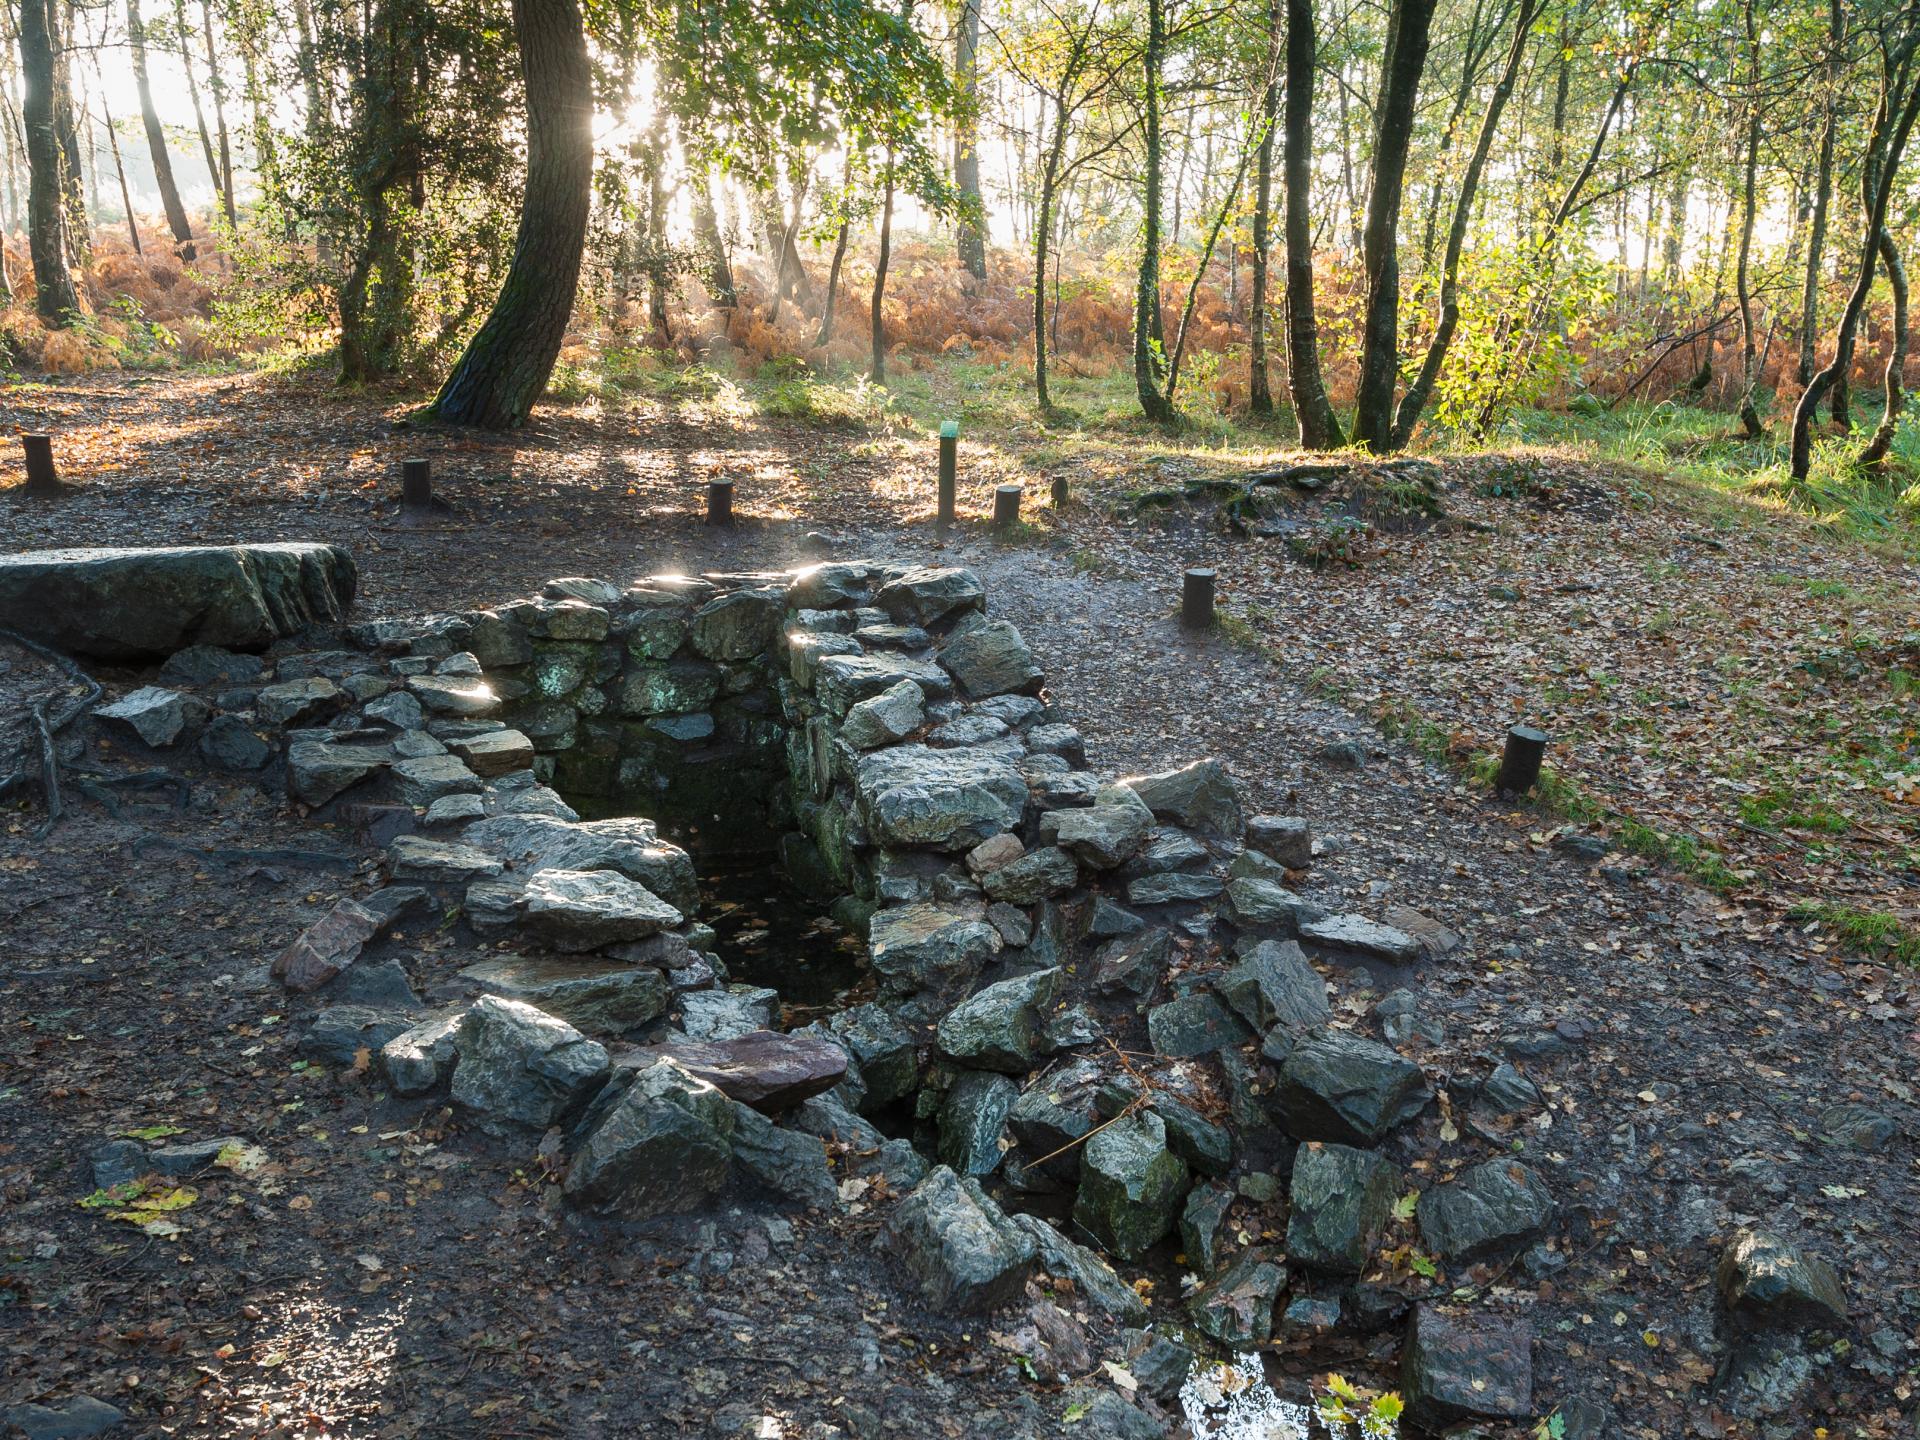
{"points": [[1018, 906]]}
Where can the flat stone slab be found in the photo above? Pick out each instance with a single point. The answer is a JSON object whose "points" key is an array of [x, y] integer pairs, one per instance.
{"points": [[141, 604], [765, 1069]]}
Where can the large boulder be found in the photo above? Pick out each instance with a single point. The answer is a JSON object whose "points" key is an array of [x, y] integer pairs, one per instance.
{"points": [[1131, 1185], [1275, 985], [930, 947], [1236, 1306], [959, 1247], [1092, 1278], [1462, 1366], [1342, 1199], [949, 799], [788, 1162], [601, 997], [1200, 796], [632, 847], [989, 658], [973, 1118], [1496, 1206], [134, 604], [586, 909], [1769, 1278], [1000, 1028], [1343, 1087], [518, 1066], [662, 1146], [924, 594]]}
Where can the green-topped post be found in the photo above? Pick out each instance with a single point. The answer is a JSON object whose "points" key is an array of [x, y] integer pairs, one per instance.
{"points": [[949, 468]]}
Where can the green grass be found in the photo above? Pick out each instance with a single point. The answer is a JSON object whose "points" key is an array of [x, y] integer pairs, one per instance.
{"points": [[1873, 931], [1707, 449], [1781, 809]]}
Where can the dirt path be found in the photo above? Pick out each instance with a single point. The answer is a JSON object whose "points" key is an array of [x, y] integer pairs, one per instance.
{"points": [[1690, 1045]]}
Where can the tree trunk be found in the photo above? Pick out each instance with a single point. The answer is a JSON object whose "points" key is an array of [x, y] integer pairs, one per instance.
{"points": [[73, 169], [1418, 393], [1148, 351], [1319, 429], [971, 238], [219, 87], [1823, 192], [1884, 151], [1405, 59], [1042, 237], [54, 298], [506, 365], [706, 231], [1259, 390], [120, 172], [1200, 269], [833, 286], [1882, 440], [1749, 341], [193, 89], [877, 369], [176, 212]]}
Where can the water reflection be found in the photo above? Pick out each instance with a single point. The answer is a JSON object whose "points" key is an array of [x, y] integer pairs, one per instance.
{"points": [[1231, 1400]]}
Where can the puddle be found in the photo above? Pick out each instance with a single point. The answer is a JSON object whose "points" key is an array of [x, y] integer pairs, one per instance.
{"points": [[768, 936], [1231, 1400]]}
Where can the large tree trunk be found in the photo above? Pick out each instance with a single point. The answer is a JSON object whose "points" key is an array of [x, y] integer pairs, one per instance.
{"points": [[1259, 390], [157, 137], [1148, 350], [506, 365], [1418, 393], [219, 86], [55, 298], [1882, 440], [1823, 193], [971, 239], [1400, 70], [1319, 429], [73, 168]]}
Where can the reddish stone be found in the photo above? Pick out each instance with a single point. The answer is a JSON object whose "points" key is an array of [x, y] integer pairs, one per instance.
{"points": [[765, 1069]]}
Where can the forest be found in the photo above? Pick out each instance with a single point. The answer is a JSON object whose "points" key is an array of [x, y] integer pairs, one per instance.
{"points": [[1416, 227], [986, 719]]}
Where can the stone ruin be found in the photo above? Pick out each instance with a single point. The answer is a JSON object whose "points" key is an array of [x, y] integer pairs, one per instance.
{"points": [[1090, 1016]]}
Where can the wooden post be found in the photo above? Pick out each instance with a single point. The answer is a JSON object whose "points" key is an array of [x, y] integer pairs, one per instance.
{"points": [[42, 477], [949, 468], [1196, 599], [1061, 492], [720, 502], [1520, 765], [1006, 506], [416, 484]]}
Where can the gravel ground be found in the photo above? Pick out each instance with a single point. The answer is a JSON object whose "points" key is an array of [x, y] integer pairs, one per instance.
{"points": [[384, 1278]]}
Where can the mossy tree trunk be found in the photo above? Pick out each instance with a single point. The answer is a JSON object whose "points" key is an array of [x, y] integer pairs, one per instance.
{"points": [[507, 363]]}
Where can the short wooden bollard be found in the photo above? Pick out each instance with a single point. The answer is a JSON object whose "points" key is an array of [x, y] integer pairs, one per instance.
{"points": [[416, 484], [1520, 764], [42, 477], [949, 469], [1196, 599], [720, 502], [1061, 492], [1006, 506]]}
